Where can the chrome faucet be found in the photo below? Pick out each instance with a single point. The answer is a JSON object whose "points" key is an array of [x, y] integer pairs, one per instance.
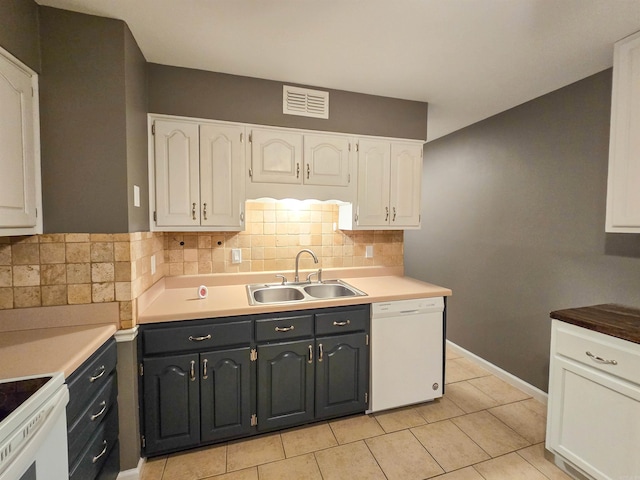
{"points": [[315, 260]]}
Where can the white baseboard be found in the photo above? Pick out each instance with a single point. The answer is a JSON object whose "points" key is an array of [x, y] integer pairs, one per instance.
{"points": [[133, 473], [511, 379]]}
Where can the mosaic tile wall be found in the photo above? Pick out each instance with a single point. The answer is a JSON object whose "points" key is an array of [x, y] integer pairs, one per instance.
{"points": [[74, 268]]}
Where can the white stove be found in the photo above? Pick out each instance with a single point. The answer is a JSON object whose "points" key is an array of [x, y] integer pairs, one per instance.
{"points": [[33, 428]]}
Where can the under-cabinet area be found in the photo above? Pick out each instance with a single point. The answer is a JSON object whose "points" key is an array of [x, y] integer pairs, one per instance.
{"points": [[209, 380]]}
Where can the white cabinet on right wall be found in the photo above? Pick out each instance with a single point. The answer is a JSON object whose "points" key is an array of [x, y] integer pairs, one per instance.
{"points": [[389, 187], [623, 188]]}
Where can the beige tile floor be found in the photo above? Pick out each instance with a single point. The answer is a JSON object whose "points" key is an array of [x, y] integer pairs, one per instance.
{"points": [[482, 429]]}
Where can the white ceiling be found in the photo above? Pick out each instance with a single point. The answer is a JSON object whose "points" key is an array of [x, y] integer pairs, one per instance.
{"points": [[469, 59]]}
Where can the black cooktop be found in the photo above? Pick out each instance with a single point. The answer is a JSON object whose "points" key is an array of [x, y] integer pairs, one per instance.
{"points": [[14, 392]]}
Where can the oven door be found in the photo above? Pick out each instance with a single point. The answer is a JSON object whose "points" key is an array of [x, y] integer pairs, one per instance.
{"points": [[44, 456]]}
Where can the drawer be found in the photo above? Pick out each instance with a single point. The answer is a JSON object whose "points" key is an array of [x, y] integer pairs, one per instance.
{"points": [[88, 421], [196, 336], [599, 351], [284, 328], [87, 380], [98, 449], [343, 320]]}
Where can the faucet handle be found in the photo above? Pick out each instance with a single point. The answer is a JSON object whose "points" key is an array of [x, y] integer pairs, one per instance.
{"points": [[284, 279], [318, 274]]}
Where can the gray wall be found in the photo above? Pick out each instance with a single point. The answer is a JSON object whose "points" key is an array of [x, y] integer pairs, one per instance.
{"points": [[513, 221], [93, 96], [136, 120], [19, 30], [201, 94]]}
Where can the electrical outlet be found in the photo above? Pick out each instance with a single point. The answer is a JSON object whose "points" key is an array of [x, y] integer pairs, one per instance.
{"points": [[236, 255], [368, 251], [136, 196]]}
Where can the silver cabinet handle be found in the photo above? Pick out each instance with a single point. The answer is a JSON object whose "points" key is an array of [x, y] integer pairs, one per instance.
{"points": [[204, 369], [204, 211], [598, 359], [310, 354], [192, 371], [200, 339], [320, 353], [285, 329], [341, 324], [193, 211], [394, 215], [96, 377], [297, 170], [242, 216], [308, 171], [103, 404], [386, 218], [104, 450]]}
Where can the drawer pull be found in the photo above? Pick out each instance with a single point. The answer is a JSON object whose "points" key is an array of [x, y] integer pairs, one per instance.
{"points": [[101, 454], [103, 404], [341, 324], [96, 377], [200, 339], [285, 329], [598, 359]]}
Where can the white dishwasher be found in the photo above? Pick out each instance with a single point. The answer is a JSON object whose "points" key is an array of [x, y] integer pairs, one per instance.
{"points": [[407, 352]]}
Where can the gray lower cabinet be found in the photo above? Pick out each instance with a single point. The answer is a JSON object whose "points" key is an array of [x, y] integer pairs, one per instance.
{"points": [[92, 417], [205, 381]]}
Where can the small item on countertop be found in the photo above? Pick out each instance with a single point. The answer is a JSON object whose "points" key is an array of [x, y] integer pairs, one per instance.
{"points": [[203, 291]]}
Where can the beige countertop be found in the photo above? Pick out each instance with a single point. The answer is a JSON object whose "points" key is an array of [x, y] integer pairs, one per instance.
{"points": [[36, 341], [178, 299]]}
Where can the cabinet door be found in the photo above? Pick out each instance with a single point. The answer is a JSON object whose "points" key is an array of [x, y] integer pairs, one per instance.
{"points": [[326, 160], [406, 178], [20, 167], [623, 190], [276, 156], [221, 175], [285, 384], [341, 375], [225, 390], [594, 420], [171, 402], [373, 183], [177, 173]]}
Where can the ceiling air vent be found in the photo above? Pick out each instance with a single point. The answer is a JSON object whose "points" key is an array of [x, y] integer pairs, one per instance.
{"points": [[305, 102]]}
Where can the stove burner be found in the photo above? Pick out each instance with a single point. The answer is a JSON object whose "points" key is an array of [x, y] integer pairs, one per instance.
{"points": [[14, 392]]}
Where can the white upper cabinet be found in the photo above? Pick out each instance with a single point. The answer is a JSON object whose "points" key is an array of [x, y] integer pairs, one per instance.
{"points": [[303, 165], [388, 194], [197, 176], [276, 156], [20, 186], [623, 190], [326, 160]]}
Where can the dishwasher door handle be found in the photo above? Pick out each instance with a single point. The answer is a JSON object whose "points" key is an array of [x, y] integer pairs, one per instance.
{"points": [[409, 312]]}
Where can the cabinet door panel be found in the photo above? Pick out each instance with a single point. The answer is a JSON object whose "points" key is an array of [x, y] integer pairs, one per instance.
{"points": [[285, 384], [341, 375], [594, 420], [373, 183], [221, 175], [177, 173], [17, 148], [171, 402], [225, 391], [326, 160], [276, 156], [406, 179]]}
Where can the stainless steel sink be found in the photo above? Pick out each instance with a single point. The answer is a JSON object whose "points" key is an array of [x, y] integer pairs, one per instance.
{"points": [[270, 293]]}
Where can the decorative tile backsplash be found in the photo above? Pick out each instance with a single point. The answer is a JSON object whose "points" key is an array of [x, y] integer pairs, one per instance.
{"points": [[77, 268]]}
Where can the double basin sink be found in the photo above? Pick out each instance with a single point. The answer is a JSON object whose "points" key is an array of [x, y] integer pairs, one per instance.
{"points": [[267, 293]]}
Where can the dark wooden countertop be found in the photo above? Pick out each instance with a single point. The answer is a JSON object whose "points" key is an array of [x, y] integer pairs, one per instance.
{"points": [[611, 319]]}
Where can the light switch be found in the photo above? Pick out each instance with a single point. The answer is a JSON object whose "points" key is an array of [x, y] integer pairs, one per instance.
{"points": [[368, 251], [236, 255], [153, 264], [136, 196]]}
